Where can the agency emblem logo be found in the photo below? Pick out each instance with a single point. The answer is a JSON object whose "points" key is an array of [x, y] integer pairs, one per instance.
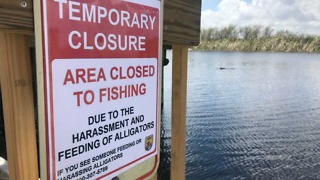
{"points": [[148, 142]]}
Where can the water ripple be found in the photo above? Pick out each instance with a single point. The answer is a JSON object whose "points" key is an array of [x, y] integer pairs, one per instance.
{"points": [[259, 121]]}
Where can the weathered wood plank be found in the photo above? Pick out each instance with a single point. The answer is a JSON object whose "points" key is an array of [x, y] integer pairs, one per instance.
{"points": [[181, 23], [16, 16], [179, 102], [18, 107]]}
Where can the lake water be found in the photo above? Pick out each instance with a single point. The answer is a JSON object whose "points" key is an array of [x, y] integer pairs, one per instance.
{"points": [[249, 116]]}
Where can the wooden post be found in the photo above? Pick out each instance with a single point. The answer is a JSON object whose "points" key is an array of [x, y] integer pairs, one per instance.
{"points": [[178, 129], [18, 106]]}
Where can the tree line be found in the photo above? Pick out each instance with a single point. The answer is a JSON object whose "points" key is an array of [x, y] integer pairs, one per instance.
{"points": [[256, 38]]}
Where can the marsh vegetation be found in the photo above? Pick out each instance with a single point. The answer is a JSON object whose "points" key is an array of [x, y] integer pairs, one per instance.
{"points": [[255, 39]]}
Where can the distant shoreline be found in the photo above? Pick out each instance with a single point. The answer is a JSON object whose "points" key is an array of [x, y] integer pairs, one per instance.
{"points": [[270, 45], [256, 39]]}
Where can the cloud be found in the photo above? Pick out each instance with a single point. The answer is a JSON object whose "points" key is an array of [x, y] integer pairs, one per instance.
{"points": [[300, 16]]}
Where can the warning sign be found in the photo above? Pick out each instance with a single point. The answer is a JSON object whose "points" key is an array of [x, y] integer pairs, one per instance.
{"points": [[100, 63]]}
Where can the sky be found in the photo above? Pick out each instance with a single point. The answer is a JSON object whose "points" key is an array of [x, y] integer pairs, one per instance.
{"points": [[298, 16]]}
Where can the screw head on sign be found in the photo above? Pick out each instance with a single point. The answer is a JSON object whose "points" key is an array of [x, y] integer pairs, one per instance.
{"points": [[23, 4]]}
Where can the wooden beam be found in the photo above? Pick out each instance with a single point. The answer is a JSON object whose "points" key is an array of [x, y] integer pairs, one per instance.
{"points": [[179, 95], [18, 106], [181, 24], [16, 16]]}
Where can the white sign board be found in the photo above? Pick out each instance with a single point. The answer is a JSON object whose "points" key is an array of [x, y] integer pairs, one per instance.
{"points": [[100, 63]]}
